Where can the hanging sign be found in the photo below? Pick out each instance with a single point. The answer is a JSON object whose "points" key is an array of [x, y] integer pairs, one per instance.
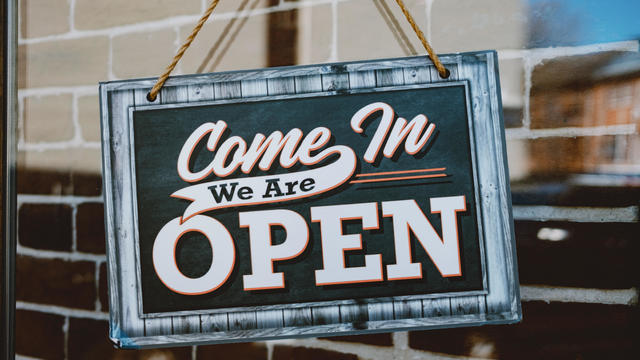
{"points": [[308, 201]]}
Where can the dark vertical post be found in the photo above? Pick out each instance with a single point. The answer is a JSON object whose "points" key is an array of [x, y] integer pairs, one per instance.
{"points": [[8, 48], [282, 37]]}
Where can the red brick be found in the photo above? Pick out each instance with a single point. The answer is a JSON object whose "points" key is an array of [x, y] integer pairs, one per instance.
{"points": [[282, 35], [512, 117], [548, 331], [556, 190], [246, 351], [90, 228], [103, 290], [546, 162], [369, 339], [281, 352], [56, 282], [89, 339], [58, 183], [45, 226], [39, 335], [565, 92], [594, 255]]}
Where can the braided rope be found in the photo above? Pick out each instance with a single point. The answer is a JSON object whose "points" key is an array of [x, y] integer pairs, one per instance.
{"points": [[444, 73], [152, 95]]}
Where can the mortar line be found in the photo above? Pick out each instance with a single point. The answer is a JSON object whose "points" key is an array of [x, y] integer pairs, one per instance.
{"points": [[526, 96], [524, 133], [559, 51], [98, 304], [65, 331], [269, 345], [428, 5], [170, 22], [60, 145], [72, 15], [578, 295], [58, 90], [21, 130], [62, 311], [24, 357], [56, 199], [584, 214], [58, 255], [75, 120], [110, 74], [333, 56], [176, 44], [74, 235]]}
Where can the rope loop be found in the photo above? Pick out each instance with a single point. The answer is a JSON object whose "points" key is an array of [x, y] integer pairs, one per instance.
{"points": [[443, 71], [153, 93]]}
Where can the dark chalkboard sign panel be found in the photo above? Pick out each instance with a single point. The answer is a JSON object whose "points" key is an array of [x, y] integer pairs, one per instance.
{"points": [[308, 201], [403, 176]]}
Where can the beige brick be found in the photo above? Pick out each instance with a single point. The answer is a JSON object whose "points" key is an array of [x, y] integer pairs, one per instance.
{"points": [[363, 32], [48, 118], [468, 25], [89, 117], [63, 63], [143, 54], [75, 160], [44, 17], [314, 34], [92, 14], [248, 49], [512, 82]]}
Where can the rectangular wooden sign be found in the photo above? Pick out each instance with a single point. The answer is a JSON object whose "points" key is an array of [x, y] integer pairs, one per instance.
{"points": [[308, 201]]}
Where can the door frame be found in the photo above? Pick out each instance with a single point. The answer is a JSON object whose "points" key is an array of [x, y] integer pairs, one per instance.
{"points": [[8, 58]]}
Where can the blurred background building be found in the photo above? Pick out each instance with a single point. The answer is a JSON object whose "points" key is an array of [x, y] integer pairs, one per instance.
{"points": [[606, 96], [570, 77]]}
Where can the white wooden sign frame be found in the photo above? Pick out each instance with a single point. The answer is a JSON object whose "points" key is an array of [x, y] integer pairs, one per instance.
{"points": [[498, 303]]}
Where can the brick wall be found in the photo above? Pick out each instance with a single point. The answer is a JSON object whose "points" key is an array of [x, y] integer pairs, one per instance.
{"points": [[579, 296]]}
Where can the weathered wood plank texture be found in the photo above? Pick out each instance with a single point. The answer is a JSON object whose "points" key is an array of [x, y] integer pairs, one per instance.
{"points": [[436, 307], [490, 165], [214, 323], [417, 75], [121, 231], [325, 315], [266, 319], [308, 84], [200, 92], [227, 90]]}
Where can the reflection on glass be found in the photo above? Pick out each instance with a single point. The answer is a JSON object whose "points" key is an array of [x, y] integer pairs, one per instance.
{"points": [[597, 96], [578, 22]]}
